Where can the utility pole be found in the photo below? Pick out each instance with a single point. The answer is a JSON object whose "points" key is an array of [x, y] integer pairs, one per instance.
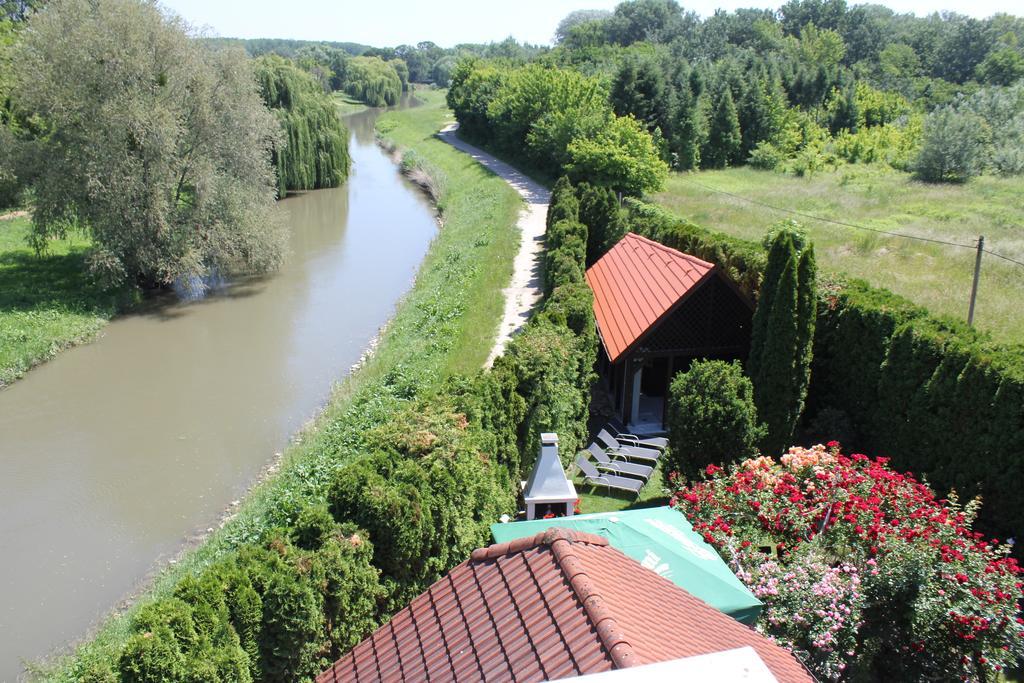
{"points": [[977, 276]]}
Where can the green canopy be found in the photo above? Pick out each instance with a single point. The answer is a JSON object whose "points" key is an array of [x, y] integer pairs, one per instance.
{"points": [[662, 540]]}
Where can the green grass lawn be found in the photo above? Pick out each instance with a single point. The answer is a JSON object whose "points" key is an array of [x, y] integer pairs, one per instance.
{"points": [[47, 302], [447, 323], [935, 276]]}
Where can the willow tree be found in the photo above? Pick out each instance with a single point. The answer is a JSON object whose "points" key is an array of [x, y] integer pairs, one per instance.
{"points": [[154, 144], [314, 151], [373, 81]]}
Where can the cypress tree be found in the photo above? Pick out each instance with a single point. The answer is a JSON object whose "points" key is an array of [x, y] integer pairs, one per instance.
{"points": [[782, 335], [724, 138], [807, 315]]}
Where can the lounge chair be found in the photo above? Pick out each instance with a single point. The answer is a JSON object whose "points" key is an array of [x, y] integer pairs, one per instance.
{"points": [[612, 481], [603, 462], [616, 427], [648, 455]]}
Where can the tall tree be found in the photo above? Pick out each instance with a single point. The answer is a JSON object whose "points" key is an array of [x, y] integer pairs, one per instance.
{"points": [[686, 129], [725, 140], [576, 18], [780, 349], [640, 88], [157, 146]]}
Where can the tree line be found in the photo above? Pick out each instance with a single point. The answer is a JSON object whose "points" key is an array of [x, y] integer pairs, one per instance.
{"points": [[814, 83]]}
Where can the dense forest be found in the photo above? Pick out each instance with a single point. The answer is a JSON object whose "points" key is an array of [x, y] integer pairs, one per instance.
{"points": [[814, 83]]}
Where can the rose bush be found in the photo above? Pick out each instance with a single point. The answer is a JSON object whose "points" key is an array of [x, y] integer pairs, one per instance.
{"points": [[864, 571]]}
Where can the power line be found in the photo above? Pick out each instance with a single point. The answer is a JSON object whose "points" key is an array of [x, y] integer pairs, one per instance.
{"points": [[1006, 258]]}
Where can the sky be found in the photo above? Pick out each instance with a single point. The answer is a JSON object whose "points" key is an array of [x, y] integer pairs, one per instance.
{"points": [[387, 23]]}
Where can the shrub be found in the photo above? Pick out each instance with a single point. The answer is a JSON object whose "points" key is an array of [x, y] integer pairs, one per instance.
{"points": [[951, 147], [621, 156], [391, 501], [711, 417], [932, 599]]}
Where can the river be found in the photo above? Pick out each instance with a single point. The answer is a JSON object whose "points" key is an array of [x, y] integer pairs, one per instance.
{"points": [[115, 453]]}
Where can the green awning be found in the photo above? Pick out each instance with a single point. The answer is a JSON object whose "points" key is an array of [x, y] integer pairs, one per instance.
{"points": [[662, 540]]}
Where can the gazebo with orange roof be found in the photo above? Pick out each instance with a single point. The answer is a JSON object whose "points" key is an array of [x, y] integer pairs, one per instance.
{"points": [[657, 311]]}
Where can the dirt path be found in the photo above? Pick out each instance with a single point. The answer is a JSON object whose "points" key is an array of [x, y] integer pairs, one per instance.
{"points": [[525, 290]]}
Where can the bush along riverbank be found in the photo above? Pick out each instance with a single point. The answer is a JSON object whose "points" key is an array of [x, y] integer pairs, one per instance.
{"points": [[282, 588]]}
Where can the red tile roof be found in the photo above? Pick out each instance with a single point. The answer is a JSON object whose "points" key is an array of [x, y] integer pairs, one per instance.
{"points": [[555, 605], [636, 284]]}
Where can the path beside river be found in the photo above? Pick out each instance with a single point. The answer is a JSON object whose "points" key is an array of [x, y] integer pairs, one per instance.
{"points": [[525, 290]]}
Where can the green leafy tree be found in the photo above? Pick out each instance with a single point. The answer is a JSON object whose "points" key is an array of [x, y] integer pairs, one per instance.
{"points": [[1002, 66], [575, 18], [314, 151], [760, 112], [622, 156], [711, 418], [725, 141], [783, 329], [845, 113], [656, 21], [162, 154]]}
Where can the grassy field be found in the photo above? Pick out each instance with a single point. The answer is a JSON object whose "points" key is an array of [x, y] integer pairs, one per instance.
{"points": [[446, 323], [933, 275], [47, 303]]}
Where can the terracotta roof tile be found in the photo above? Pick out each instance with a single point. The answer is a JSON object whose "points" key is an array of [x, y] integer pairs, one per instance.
{"points": [[555, 605], [636, 284]]}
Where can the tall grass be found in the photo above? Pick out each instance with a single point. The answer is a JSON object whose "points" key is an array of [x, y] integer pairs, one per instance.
{"points": [[936, 276]]}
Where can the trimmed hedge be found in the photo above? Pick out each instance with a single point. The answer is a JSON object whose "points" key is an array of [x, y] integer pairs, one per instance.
{"points": [[937, 397], [271, 612]]}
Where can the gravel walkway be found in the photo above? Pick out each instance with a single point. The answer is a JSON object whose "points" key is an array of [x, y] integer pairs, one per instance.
{"points": [[525, 290]]}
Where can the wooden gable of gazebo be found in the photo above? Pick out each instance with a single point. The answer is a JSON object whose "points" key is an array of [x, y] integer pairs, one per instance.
{"points": [[658, 309]]}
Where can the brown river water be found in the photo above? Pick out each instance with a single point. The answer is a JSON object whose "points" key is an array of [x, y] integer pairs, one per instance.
{"points": [[113, 454]]}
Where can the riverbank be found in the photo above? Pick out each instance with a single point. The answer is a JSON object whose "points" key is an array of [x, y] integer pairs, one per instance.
{"points": [[446, 324], [47, 303]]}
